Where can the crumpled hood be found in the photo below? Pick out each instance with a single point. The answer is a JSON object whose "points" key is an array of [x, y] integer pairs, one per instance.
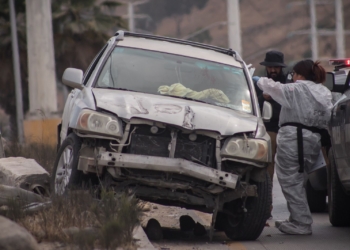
{"points": [[180, 112]]}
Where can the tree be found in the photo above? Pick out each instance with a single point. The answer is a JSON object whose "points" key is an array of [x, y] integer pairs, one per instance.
{"points": [[80, 27]]}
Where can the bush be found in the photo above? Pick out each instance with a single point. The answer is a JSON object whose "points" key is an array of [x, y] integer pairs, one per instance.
{"points": [[80, 219]]}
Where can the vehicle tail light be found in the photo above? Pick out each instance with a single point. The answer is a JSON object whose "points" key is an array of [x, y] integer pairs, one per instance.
{"points": [[340, 62]]}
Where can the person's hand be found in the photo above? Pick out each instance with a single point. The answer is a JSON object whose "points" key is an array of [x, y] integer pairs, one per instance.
{"points": [[267, 97]]}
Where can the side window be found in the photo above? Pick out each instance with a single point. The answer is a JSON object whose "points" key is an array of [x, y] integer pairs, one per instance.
{"points": [[92, 66]]}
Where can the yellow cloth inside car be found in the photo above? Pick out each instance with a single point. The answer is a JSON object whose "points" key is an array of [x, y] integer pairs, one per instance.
{"points": [[177, 89]]}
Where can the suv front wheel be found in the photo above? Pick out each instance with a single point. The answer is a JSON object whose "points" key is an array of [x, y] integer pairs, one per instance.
{"points": [[248, 225], [65, 173]]}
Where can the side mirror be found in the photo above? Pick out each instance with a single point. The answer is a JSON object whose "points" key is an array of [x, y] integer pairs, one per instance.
{"points": [[330, 81], [267, 111], [73, 78]]}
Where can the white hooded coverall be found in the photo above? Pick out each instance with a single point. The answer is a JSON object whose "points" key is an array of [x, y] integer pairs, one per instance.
{"points": [[309, 104]]}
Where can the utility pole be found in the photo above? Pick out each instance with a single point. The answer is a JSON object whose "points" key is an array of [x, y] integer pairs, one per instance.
{"points": [[313, 29], [339, 29], [234, 26], [41, 122], [17, 73], [131, 17], [41, 60]]}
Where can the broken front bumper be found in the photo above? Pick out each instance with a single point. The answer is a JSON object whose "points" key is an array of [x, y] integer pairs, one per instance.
{"points": [[169, 165]]}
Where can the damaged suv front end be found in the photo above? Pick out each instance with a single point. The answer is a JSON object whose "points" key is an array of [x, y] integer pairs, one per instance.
{"points": [[176, 122]]}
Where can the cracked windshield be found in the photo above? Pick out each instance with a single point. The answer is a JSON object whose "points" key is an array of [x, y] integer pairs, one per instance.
{"points": [[178, 76]]}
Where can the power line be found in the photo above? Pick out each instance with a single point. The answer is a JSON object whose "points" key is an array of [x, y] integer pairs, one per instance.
{"points": [[131, 12], [339, 32], [284, 41], [204, 29]]}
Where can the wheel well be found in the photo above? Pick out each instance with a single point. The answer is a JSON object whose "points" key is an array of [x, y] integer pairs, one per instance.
{"points": [[59, 128]]}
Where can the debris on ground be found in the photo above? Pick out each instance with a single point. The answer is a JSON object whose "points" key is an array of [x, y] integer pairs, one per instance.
{"points": [[144, 206]]}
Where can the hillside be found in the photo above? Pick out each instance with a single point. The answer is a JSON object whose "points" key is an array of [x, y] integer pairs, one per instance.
{"points": [[265, 24]]}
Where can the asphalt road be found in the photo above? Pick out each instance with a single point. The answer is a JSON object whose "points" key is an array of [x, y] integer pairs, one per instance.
{"points": [[324, 236]]}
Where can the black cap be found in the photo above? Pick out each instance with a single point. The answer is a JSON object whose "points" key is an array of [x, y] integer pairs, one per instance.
{"points": [[274, 58]]}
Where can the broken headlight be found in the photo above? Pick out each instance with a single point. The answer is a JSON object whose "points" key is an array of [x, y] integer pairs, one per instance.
{"points": [[260, 130], [99, 123], [253, 149]]}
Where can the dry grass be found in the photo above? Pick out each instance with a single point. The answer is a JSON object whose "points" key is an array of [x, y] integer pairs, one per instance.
{"points": [[43, 154], [80, 220]]}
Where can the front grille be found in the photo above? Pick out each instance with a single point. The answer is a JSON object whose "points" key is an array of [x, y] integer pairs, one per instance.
{"points": [[149, 145], [201, 151]]}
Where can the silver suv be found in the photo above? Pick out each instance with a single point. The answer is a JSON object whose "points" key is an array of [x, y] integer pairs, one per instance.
{"points": [[176, 122], [339, 126]]}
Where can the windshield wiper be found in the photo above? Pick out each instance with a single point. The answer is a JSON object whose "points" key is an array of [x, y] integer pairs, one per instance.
{"points": [[123, 89]]}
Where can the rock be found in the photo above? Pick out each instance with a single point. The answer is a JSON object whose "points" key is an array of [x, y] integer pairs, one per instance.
{"points": [[154, 230], [155, 207], [24, 173], [15, 237], [186, 223], [145, 207]]}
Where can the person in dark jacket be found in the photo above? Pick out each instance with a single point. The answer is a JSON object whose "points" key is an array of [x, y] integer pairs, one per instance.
{"points": [[274, 63]]}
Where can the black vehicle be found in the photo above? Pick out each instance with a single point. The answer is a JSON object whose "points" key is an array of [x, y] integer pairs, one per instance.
{"points": [[339, 168]]}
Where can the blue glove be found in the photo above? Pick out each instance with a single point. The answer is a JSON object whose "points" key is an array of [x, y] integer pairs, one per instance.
{"points": [[255, 79]]}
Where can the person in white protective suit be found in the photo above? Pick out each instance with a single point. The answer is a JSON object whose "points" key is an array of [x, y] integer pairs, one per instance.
{"points": [[306, 110]]}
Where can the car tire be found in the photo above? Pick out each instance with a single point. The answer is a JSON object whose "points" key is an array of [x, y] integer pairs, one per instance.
{"points": [[338, 201], [65, 174], [250, 223], [316, 199]]}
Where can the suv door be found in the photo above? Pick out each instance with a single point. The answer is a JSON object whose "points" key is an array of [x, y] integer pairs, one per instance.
{"points": [[340, 133]]}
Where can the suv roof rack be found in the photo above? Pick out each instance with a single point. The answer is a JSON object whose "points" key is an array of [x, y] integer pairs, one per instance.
{"points": [[230, 52]]}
